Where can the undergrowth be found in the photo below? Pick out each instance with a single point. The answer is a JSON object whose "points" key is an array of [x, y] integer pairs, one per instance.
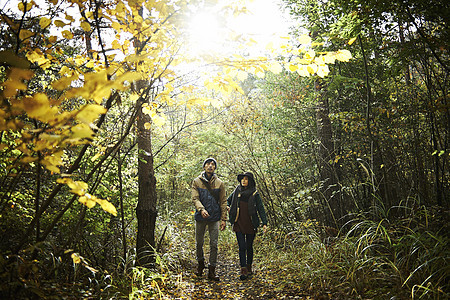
{"points": [[376, 255]]}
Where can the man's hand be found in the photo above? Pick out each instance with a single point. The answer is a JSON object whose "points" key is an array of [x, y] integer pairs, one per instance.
{"points": [[204, 213], [223, 225]]}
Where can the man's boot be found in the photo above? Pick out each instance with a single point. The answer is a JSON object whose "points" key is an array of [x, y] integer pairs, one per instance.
{"points": [[212, 273], [244, 274], [200, 267]]}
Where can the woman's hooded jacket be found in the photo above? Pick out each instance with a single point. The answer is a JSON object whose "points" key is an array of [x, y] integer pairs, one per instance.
{"points": [[255, 205]]}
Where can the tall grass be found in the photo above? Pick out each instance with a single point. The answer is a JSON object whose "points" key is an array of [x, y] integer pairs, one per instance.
{"points": [[379, 257]]}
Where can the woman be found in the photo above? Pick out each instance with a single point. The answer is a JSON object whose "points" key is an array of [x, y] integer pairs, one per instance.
{"points": [[245, 210]]}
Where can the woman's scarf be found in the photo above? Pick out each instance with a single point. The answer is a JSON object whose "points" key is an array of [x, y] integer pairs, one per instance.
{"points": [[246, 193]]}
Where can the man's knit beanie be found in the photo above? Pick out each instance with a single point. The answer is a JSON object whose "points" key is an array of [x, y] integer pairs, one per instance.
{"points": [[208, 160]]}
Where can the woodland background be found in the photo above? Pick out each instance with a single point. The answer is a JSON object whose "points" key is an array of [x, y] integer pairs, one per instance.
{"points": [[103, 130]]}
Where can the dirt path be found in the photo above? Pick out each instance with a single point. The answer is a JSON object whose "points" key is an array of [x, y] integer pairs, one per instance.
{"points": [[259, 286]]}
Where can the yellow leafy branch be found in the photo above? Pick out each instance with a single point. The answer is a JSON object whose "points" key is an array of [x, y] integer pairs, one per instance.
{"points": [[80, 188]]}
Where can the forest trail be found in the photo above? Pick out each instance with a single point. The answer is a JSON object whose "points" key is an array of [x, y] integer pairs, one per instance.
{"points": [[262, 285]]}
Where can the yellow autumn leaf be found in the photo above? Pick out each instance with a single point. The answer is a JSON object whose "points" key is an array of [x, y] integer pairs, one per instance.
{"points": [[80, 59], [96, 156], [129, 76], [329, 58], [159, 119], [67, 34], [89, 113], [21, 74], [78, 187], [85, 26], [54, 2], [215, 102], [37, 106], [303, 71], [52, 39], [270, 46], [28, 159], [231, 72], [310, 54], [146, 110], [41, 145], [107, 206], [275, 67], [304, 39], [343, 55], [241, 75], [76, 258], [164, 98], [69, 18], [312, 68], [188, 89], [38, 57], [319, 60], [116, 26], [260, 73], [292, 67], [87, 200], [50, 137], [65, 71], [116, 45], [323, 71], [81, 131], [134, 97], [21, 6], [50, 167], [10, 58], [90, 64], [64, 180], [44, 22], [60, 23], [52, 162], [10, 87], [25, 34], [64, 82], [352, 40], [90, 15]]}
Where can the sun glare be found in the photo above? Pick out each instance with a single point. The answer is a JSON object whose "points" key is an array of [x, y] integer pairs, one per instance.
{"points": [[205, 34], [213, 30]]}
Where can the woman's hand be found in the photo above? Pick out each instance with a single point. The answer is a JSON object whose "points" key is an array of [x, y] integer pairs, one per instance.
{"points": [[265, 227], [223, 225]]}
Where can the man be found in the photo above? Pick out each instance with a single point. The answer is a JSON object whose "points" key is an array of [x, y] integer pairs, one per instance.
{"points": [[208, 194]]}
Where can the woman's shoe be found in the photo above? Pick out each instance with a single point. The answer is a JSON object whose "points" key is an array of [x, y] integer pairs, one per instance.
{"points": [[249, 270], [244, 274]]}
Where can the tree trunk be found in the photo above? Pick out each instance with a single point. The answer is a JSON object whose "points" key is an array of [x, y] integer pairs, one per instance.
{"points": [[122, 212], [329, 187], [146, 208]]}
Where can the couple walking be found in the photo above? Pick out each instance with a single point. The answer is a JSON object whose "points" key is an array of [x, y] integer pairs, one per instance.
{"points": [[245, 210]]}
